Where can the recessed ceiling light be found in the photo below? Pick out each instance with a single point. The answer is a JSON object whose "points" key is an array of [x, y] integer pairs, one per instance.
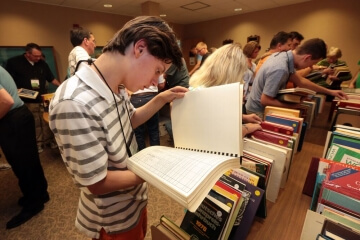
{"points": [[108, 5], [162, 15], [238, 9]]}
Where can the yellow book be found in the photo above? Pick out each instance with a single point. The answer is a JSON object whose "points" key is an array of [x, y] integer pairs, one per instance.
{"points": [[236, 197], [283, 111], [246, 176]]}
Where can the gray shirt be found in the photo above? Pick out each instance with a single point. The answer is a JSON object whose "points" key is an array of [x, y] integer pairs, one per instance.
{"points": [[271, 77]]}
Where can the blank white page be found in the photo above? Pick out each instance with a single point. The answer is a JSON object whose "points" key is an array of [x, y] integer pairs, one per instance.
{"points": [[209, 120]]}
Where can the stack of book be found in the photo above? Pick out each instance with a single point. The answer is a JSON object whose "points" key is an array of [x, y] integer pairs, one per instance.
{"points": [[335, 206], [295, 95]]}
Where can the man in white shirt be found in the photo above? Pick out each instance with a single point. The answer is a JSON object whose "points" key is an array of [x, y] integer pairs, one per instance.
{"points": [[84, 45]]}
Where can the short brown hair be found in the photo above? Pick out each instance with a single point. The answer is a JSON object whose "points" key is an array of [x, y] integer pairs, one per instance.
{"points": [[250, 47], [159, 37], [316, 47]]}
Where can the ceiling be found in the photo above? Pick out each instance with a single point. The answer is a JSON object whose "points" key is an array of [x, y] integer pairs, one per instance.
{"points": [[177, 11]]}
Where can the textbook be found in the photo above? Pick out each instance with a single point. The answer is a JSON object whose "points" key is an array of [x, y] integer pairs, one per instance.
{"points": [[174, 228], [282, 111], [208, 221], [341, 71], [298, 91], [288, 97], [27, 93], [280, 158], [208, 142]]}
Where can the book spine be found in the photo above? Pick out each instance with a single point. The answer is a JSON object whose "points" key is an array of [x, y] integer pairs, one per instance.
{"points": [[247, 177], [277, 128], [272, 138]]}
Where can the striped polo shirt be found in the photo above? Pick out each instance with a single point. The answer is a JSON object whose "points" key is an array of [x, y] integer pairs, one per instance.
{"points": [[85, 122]]}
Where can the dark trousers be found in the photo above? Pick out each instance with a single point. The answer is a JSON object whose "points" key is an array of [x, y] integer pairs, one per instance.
{"points": [[152, 125], [18, 142]]}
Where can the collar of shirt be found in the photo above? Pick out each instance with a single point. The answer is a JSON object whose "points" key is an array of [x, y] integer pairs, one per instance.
{"points": [[89, 76]]}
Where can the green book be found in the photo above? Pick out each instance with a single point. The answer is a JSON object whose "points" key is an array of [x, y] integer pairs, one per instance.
{"points": [[338, 200], [342, 154]]}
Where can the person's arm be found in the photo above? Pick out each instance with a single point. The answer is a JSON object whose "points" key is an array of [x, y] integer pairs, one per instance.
{"points": [[353, 81], [196, 67], [251, 118], [143, 113], [55, 82], [249, 128], [6, 102], [305, 83], [114, 181], [304, 72]]}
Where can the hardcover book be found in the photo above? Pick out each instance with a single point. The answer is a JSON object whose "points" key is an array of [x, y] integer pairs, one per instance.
{"points": [[231, 201], [208, 221], [27, 93], [288, 97], [187, 172], [174, 228], [280, 158], [244, 175], [279, 128], [338, 200], [335, 230], [230, 193], [342, 154], [282, 111], [272, 138], [298, 91], [160, 232], [295, 123], [343, 179], [240, 232]]}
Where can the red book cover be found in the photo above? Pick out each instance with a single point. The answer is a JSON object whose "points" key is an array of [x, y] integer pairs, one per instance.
{"points": [[271, 138], [343, 178], [228, 188], [349, 104], [279, 128]]}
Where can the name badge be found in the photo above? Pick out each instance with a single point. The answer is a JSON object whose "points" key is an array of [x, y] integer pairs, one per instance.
{"points": [[35, 83]]}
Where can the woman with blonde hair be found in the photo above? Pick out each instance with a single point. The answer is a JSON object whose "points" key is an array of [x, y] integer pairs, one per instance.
{"points": [[226, 65]]}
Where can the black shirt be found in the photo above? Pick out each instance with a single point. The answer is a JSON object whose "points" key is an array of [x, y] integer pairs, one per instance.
{"points": [[23, 71]]}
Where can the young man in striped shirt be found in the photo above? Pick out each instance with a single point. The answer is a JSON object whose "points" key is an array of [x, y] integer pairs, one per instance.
{"points": [[93, 121]]}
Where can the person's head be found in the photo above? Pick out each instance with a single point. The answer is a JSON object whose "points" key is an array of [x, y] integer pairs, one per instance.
{"points": [[309, 53], [227, 41], [201, 48], [251, 49], [33, 52], [212, 49], [226, 65], [84, 38], [281, 42], [193, 50], [333, 54], [296, 39], [149, 45]]}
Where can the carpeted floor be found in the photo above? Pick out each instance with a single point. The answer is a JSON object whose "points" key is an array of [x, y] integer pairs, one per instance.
{"points": [[56, 221]]}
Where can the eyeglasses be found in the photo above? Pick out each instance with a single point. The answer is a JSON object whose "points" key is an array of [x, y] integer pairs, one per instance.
{"points": [[36, 56]]}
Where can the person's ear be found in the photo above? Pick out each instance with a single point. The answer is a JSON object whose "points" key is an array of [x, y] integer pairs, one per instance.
{"points": [[139, 47]]}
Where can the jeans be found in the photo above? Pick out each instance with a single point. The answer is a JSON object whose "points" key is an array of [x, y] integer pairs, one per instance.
{"points": [[151, 125]]}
